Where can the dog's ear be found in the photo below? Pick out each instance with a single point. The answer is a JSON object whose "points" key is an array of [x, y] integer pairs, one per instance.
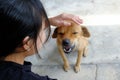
{"points": [[85, 31], [55, 33]]}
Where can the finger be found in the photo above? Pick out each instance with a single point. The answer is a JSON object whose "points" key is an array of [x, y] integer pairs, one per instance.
{"points": [[67, 16], [74, 18], [77, 20], [62, 23], [66, 23]]}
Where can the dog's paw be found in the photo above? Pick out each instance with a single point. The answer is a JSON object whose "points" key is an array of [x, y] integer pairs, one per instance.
{"points": [[66, 68], [77, 69], [84, 55]]}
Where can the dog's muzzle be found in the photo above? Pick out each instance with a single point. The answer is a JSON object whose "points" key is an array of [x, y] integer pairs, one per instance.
{"points": [[67, 47]]}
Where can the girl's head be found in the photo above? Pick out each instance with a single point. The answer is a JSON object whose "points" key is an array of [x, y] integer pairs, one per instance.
{"points": [[22, 24]]}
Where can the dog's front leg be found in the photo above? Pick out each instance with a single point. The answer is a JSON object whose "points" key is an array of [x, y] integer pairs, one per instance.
{"points": [[85, 52], [77, 65], [66, 64]]}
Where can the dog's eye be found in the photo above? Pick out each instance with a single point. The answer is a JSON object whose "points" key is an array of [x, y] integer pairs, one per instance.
{"points": [[75, 32], [61, 33]]}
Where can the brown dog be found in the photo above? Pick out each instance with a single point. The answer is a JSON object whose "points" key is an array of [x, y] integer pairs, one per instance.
{"points": [[74, 37]]}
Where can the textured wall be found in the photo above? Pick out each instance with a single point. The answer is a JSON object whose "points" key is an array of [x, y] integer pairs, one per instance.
{"points": [[93, 12], [82, 7]]}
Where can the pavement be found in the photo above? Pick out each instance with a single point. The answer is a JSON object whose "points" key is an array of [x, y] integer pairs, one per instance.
{"points": [[87, 72], [103, 60]]}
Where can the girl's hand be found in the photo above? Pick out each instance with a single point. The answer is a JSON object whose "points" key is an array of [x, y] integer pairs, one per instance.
{"points": [[61, 20]]}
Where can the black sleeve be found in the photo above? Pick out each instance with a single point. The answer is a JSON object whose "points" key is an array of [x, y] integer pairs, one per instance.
{"points": [[33, 76], [46, 78]]}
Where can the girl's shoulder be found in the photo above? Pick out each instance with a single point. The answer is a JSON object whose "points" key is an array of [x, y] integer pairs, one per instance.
{"points": [[16, 71]]}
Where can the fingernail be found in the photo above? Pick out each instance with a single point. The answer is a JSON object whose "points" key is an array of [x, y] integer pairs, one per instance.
{"points": [[81, 21]]}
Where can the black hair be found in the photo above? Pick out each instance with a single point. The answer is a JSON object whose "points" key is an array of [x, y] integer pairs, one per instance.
{"points": [[18, 19]]}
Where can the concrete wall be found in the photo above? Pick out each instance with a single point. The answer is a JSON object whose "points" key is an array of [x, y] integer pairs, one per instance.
{"points": [[82, 7], [91, 11]]}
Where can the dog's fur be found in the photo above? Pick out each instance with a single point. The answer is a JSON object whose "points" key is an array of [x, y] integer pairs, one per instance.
{"points": [[74, 37]]}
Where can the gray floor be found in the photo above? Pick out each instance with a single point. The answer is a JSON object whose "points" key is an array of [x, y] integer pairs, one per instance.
{"points": [[103, 60], [87, 72]]}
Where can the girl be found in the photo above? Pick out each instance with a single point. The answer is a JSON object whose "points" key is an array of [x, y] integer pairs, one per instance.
{"points": [[23, 24]]}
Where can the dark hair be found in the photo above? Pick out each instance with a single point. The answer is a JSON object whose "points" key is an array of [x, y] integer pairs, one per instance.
{"points": [[18, 19]]}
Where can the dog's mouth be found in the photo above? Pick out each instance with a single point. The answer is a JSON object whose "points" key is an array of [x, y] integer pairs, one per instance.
{"points": [[68, 49]]}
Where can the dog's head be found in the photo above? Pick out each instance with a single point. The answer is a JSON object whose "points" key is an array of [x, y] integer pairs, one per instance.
{"points": [[68, 37]]}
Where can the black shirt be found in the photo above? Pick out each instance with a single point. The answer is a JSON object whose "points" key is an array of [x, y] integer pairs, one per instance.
{"points": [[13, 71]]}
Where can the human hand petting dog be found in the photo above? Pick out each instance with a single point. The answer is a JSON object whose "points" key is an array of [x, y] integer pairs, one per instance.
{"points": [[62, 20]]}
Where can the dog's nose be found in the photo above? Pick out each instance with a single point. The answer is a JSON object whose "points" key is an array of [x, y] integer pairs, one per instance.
{"points": [[66, 42]]}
